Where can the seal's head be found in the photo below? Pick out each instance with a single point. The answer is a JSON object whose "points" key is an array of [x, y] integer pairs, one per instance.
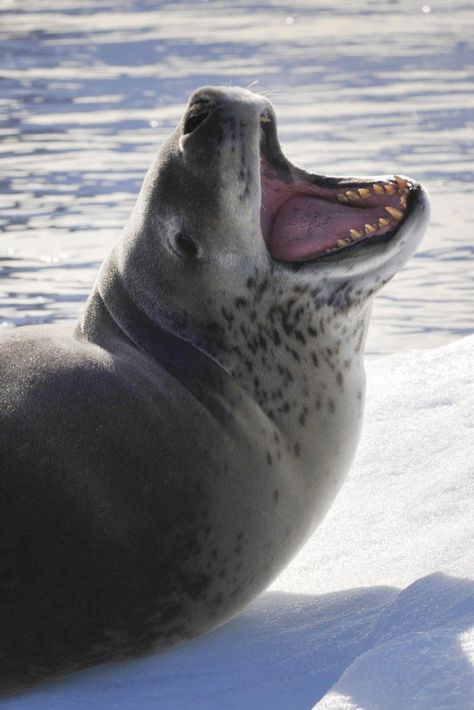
{"points": [[222, 204]]}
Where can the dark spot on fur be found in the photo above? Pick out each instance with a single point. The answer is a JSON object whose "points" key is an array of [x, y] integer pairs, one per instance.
{"points": [[294, 354], [315, 359], [339, 378], [269, 458], [276, 495], [228, 316], [331, 405], [276, 337], [303, 415]]}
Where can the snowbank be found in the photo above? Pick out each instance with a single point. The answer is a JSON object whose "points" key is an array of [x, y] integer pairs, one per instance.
{"points": [[377, 611]]}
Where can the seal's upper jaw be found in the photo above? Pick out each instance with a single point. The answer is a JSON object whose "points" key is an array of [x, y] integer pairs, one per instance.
{"points": [[313, 218]]}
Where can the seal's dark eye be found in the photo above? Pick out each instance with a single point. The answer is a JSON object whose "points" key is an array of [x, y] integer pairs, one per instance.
{"points": [[185, 245]]}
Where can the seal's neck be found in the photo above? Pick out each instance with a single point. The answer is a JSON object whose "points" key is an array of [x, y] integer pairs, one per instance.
{"points": [[281, 346], [291, 348]]}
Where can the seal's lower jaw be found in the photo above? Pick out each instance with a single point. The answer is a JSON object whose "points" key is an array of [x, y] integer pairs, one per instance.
{"points": [[305, 217]]}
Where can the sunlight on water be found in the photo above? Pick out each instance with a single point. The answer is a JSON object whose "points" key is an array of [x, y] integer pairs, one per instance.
{"points": [[89, 89]]}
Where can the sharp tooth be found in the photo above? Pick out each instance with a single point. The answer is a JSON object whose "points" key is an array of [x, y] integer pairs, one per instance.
{"points": [[342, 243], [369, 228], [402, 184], [396, 214], [383, 222], [378, 189], [352, 195], [389, 188], [342, 198], [355, 234], [403, 201], [364, 192]]}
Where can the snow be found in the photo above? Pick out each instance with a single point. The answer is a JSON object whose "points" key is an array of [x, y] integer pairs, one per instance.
{"points": [[377, 611]]}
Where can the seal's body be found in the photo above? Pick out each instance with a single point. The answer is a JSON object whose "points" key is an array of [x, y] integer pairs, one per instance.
{"points": [[164, 461]]}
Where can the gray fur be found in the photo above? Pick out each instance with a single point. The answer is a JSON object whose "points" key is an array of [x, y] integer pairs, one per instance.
{"points": [[166, 459]]}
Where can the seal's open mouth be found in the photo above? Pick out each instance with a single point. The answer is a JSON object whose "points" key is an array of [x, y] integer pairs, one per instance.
{"points": [[307, 216]]}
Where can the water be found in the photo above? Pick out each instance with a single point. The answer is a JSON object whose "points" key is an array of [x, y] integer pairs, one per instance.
{"points": [[89, 89]]}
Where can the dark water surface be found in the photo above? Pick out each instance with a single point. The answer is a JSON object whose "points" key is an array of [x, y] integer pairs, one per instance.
{"points": [[89, 89]]}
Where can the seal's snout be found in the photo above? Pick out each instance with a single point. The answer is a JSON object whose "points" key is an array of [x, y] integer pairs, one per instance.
{"points": [[238, 110]]}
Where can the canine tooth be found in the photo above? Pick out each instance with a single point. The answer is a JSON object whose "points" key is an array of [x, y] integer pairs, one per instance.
{"points": [[342, 243], [352, 195], [396, 214], [369, 228], [402, 184], [403, 201], [389, 188], [383, 222], [364, 192], [355, 234], [342, 198], [378, 189]]}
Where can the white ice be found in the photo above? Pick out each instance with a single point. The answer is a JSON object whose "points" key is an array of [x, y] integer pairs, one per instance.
{"points": [[377, 610]]}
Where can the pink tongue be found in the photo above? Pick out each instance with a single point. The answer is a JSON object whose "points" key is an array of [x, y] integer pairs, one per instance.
{"points": [[306, 226]]}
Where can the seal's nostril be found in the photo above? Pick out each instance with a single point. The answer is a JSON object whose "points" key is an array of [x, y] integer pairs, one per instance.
{"points": [[193, 121], [198, 112]]}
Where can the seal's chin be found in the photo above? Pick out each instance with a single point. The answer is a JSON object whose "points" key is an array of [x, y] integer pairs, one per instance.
{"points": [[305, 217]]}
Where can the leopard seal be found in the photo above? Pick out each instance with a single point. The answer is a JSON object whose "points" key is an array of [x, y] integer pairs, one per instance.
{"points": [[165, 459]]}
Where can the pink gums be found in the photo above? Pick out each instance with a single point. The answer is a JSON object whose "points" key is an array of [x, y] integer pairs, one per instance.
{"points": [[301, 221]]}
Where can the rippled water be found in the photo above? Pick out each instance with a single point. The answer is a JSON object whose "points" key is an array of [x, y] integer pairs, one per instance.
{"points": [[89, 89]]}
